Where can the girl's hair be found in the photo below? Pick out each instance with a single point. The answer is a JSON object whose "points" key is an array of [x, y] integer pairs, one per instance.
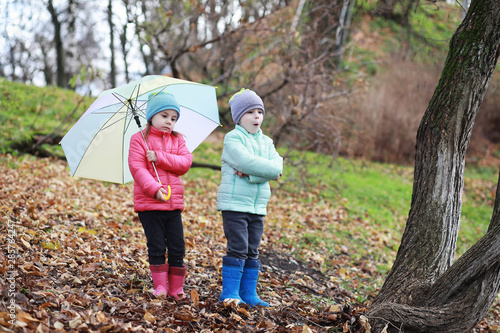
{"points": [[148, 128]]}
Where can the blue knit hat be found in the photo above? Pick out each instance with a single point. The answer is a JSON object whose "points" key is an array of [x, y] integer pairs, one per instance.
{"points": [[158, 102], [244, 101]]}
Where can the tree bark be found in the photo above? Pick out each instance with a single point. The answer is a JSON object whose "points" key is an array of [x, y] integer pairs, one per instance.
{"points": [[424, 292], [124, 39], [61, 70], [112, 71]]}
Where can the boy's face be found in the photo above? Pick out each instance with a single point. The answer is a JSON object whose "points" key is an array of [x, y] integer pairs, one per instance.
{"points": [[252, 120], [165, 120]]}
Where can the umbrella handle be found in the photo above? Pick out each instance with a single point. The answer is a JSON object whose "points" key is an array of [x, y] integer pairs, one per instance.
{"points": [[166, 197], [159, 181], [169, 193]]}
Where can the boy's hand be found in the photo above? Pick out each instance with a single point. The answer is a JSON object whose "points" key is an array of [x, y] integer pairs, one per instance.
{"points": [[151, 156], [161, 195], [240, 174], [281, 174]]}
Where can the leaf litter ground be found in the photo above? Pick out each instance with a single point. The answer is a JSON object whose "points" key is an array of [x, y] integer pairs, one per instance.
{"points": [[75, 259]]}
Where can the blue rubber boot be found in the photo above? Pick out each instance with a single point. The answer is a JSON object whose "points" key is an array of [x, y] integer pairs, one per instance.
{"points": [[248, 286], [232, 269]]}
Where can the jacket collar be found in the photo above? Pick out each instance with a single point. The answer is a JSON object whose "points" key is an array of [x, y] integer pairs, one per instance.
{"points": [[242, 129], [156, 132]]}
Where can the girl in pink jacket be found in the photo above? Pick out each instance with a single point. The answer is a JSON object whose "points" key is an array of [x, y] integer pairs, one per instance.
{"points": [[159, 205]]}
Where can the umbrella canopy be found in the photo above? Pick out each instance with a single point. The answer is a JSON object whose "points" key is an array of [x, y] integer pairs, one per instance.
{"points": [[97, 145]]}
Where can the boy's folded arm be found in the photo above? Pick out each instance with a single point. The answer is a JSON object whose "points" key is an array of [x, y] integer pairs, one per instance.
{"points": [[257, 180], [238, 157]]}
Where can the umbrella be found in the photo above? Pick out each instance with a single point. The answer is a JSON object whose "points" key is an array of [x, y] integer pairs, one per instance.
{"points": [[97, 146]]}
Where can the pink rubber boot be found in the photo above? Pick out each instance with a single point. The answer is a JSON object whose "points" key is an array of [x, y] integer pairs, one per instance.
{"points": [[176, 277], [160, 279]]}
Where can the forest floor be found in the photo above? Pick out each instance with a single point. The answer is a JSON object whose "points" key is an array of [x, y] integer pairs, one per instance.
{"points": [[75, 259]]}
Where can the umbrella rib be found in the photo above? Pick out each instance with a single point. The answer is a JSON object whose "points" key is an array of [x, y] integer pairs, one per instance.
{"points": [[137, 97], [110, 112], [123, 100], [201, 114], [128, 121], [130, 109], [165, 87], [109, 125]]}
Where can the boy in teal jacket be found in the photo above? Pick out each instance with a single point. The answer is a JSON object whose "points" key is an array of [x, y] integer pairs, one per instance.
{"points": [[249, 162]]}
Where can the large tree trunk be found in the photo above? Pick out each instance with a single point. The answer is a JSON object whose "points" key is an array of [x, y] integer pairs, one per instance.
{"points": [[424, 292]]}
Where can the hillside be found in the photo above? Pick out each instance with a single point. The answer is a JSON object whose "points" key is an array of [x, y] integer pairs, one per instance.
{"points": [[398, 69]]}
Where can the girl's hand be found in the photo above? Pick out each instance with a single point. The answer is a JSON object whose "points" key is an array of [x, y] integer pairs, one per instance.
{"points": [[161, 195], [281, 174], [240, 174], [151, 155]]}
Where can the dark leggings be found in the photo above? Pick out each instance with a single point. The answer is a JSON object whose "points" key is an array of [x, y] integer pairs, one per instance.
{"points": [[164, 231]]}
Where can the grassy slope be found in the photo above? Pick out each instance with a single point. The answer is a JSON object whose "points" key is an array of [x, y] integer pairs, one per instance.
{"points": [[28, 111]]}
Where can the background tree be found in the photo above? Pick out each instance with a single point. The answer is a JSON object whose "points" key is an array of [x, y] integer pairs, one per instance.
{"points": [[18, 61], [425, 291], [59, 47], [124, 42], [112, 62], [49, 41]]}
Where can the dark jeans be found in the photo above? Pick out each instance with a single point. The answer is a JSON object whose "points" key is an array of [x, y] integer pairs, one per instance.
{"points": [[163, 231], [243, 234]]}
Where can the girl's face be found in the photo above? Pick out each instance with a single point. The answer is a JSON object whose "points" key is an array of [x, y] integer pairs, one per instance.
{"points": [[252, 120], [165, 120]]}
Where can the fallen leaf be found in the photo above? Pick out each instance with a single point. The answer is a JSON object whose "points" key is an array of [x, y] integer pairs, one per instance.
{"points": [[75, 322], [149, 318], [244, 311], [25, 243], [25, 317], [236, 317], [195, 297], [59, 326], [306, 329], [365, 323], [335, 308], [101, 317]]}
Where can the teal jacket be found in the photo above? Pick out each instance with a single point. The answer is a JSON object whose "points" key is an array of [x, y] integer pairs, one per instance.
{"points": [[256, 156]]}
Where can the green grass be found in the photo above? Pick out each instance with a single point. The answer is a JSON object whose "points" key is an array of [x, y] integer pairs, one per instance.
{"points": [[28, 110], [426, 40], [381, 193]]}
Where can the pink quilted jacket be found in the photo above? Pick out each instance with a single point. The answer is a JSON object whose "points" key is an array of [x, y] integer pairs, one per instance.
{"points": [[174, 160]]}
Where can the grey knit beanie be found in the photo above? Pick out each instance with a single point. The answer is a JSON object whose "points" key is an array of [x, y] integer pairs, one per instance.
{"points": [[244, 101]]}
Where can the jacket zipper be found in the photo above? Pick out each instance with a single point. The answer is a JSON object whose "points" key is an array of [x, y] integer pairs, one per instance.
{"points": [[166, 171]]}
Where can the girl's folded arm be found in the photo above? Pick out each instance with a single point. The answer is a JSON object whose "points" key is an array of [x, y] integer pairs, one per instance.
{"points": [[176, 163]]}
